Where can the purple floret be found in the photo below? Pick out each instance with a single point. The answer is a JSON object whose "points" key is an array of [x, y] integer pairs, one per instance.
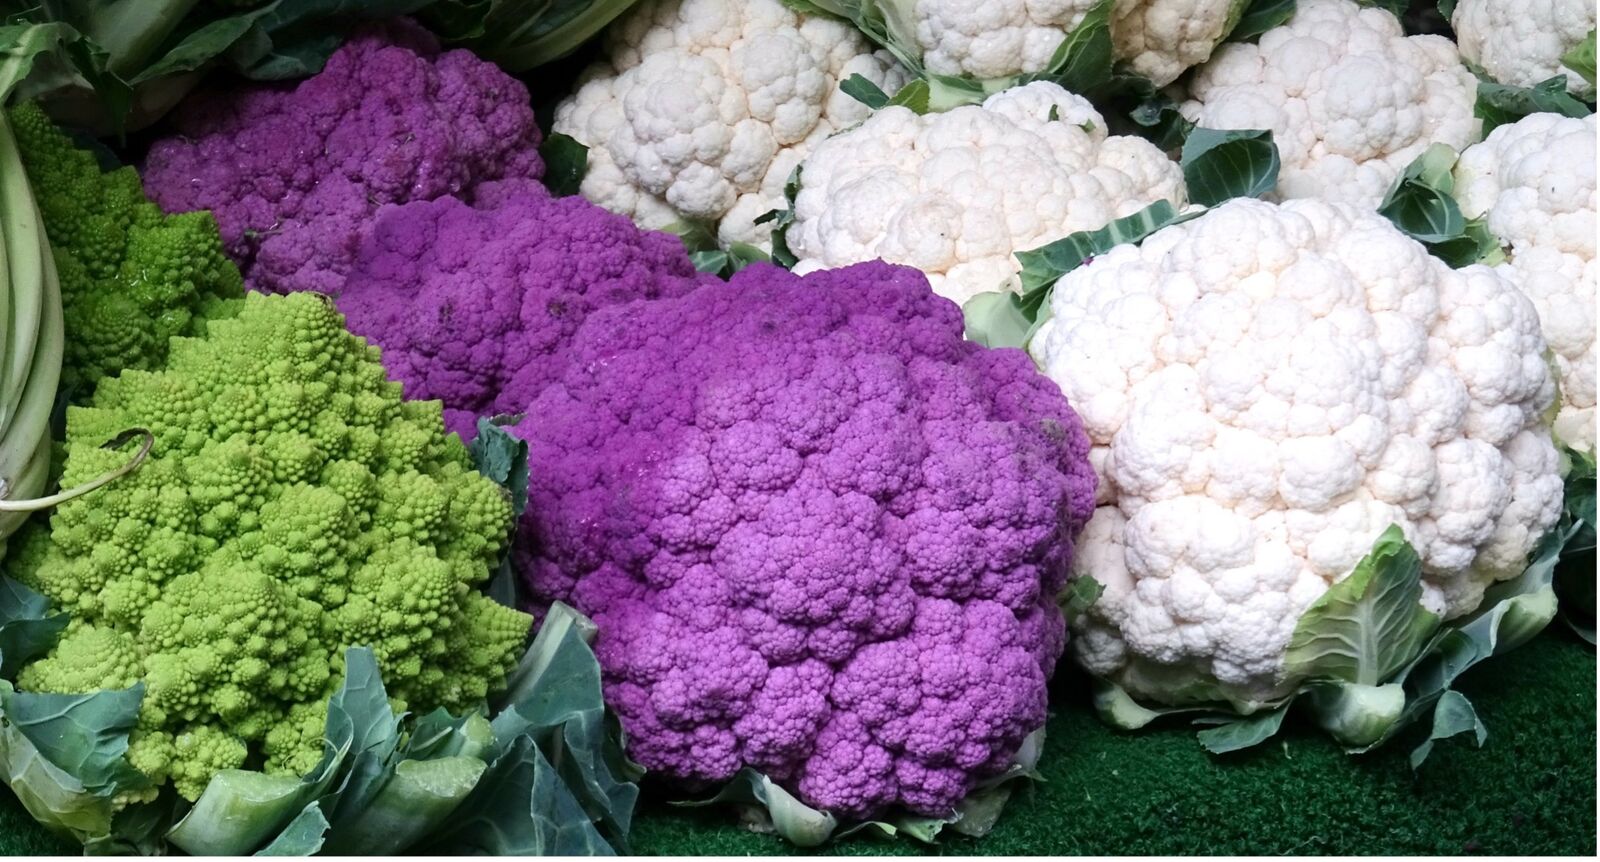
{"points": [[822, 535], [475, 306], [295, 173]]}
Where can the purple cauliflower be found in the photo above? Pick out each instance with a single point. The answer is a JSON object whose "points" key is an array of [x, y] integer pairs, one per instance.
{"points": [[822, 535], [475, 307], [295, 174]]}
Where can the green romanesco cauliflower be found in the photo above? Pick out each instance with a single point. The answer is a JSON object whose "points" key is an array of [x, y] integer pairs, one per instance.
{"points": [[293, 505], [131, 276]]}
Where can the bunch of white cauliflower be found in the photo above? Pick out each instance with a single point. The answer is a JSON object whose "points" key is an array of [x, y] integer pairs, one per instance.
{"points": [[1267, 386]]}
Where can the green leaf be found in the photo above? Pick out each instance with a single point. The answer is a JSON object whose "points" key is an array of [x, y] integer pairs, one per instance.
{"points": [[1499, 104], [1082, 63], [1243, 732], [522, 807], [1452, 715], [240, 812], [1421, 203], [304, 836], [864, 91], [1044, 266], [1081, 593], [1397, 8], [565, 163], [1580, 58], [1259, 16], [1354, 714], [1160, 121], [781, 219], [24, 45], [57, 800], [502, 458], [769, 808], [416, 799], [360, 709], [997, 319], [557, 781], [1447, 8], [27, 629], [1220, 164], [84, 735], [294, 38], [1368, 625], [521, 35]]}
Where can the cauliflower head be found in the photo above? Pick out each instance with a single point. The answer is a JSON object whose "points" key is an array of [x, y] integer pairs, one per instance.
{"points": [[292, 506], [821, 534], [131, 277], [1534, 181], [1521, 43], [957, 194], [704, 107], [1349, 98], [296, 174], [1158, 39], [1267, 388], [476, 306]]}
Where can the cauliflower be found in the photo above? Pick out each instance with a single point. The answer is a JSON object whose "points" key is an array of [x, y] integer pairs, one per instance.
{"points": [[704, 107], [821, 534], [1534, 182], [295, 174], [1522, 43], [131, 277], [957, 194], [292, 505], [1349, 98], [1267, 388], [476, 306], [1006, 39]]}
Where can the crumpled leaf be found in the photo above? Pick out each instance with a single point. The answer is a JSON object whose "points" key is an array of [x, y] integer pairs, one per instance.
{"points": [[764, 806], [1221, 164]]}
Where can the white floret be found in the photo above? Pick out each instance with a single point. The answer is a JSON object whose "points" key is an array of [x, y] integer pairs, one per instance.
{"points": [[1349, 98], [1157, 39], [1520, 42], [1267, 388], [1534, 180], [705, 106], [957, 194]]}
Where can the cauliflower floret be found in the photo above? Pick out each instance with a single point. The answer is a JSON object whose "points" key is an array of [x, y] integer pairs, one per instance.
{"points": [[1002, 39], [957, 194], [292, 505], [1521, 43], [1534, 180], [1267, 388], [475, 305], [821, 534], [1349, 98], [131, 277], [296, 174], [704, 107]]}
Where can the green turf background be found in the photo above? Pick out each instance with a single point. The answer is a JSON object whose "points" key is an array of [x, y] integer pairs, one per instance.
{"points": [[1529, 790]]}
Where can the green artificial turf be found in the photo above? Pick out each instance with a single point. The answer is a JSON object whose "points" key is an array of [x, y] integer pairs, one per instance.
{"points": [[1529, 790]]}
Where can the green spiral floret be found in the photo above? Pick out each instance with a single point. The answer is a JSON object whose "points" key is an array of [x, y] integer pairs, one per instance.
{"points": [[131, 276], [292, 506]]}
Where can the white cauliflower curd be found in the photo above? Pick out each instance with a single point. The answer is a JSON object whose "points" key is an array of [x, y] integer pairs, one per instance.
{"points": [[1534, 181], [704, 107], [1520, 42], [1349, 98], [957, 194], [1267, 388], [990, 40]]}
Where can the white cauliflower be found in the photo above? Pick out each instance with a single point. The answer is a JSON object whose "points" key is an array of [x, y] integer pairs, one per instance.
{"points": [[1535, 182], [1349, 98], [991, 40], [705, 106], [1520, 42], [957, 194], [1266, 389]]}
